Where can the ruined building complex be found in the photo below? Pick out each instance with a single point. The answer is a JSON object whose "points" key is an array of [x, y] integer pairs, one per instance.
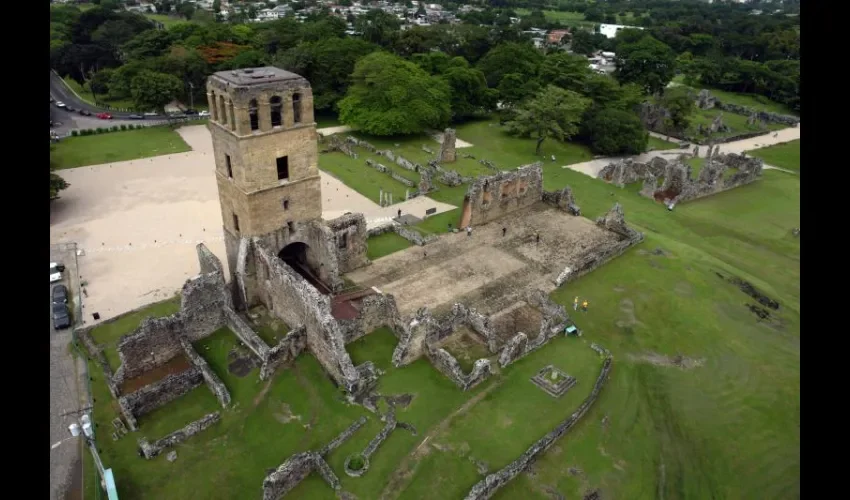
{"points": [[284, 258]]}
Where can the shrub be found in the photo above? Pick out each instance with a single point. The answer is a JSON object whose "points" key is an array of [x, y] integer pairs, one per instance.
{"points": [[123, 127], [75, 133], [99, 130], [615, 132]]}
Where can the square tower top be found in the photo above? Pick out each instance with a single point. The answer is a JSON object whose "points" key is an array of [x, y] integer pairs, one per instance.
{"points": [[258, 76]]}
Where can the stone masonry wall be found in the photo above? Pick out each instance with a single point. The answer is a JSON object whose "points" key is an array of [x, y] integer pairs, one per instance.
{"points": [[446, 364], [489, 198], [350, 236], [289, 348], [153, 344], [151, 450], [553, 321], [563, 199], [152, 396], [213, 382], [487, 487], [287, 295], [376, 311]]}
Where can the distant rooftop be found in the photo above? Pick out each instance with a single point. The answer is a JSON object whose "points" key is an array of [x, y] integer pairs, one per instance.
{"points": [[251, 76]]}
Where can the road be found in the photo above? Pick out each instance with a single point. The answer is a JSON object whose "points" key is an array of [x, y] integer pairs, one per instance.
{"points": [[61, 92], [68, 389]]}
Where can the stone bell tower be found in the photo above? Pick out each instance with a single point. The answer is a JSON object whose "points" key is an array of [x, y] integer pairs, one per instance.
{"points": [[266, 153]]}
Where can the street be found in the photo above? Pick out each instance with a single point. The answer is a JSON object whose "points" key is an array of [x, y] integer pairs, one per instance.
{"points": [[68, 389]]}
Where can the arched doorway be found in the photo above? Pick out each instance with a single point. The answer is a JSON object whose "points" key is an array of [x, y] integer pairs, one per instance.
{"points": [[298, 256]]}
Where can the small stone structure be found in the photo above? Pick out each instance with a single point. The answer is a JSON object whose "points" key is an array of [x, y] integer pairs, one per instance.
{"points": [[554, 320], [448, 152], [297, 467], [488, 486], [411, 235], [489, 198], [553, 381], [372, 447], [678, 185], [151, 450]]}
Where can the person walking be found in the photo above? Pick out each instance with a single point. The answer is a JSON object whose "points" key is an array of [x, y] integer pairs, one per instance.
{"points": [[399, 213], [537, 240], [468, 230], [575, 304], [584, 306], [504, 231]]}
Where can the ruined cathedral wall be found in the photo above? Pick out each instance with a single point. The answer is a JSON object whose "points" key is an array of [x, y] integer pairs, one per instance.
{"points": [[489, 198]]}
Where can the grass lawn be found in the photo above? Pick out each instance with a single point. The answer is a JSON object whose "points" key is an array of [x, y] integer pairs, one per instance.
{"points": [[385, 244], [166, 20], [656, 430], [98, 149], [85, 94], [785, 155], [657, 144], [754, 101]]}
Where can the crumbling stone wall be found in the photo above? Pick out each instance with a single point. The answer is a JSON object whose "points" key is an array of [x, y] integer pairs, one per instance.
{"points": [[321, 255], [705, 100], [679, 185], [554, 320], [152, 396], [383, 169], [446, 364], [213, 382], [411, 336], [151, 450], [375, 311], [563, 199], [489, 198], [349, 232], [461, 315], [448, 153], [287, 295], [153, 344], [289, 348], [488, 486]]}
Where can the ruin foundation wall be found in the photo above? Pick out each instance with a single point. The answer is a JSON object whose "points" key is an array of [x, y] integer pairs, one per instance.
{"points": [[150, 450]]}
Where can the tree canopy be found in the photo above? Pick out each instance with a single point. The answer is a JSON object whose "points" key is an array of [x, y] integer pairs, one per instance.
{"points": [[647, 62], [390, 96], [554, 112]]}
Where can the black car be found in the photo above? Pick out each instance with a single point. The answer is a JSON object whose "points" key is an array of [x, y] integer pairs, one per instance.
{"points": [[136, 117], [61, 318], [69, 108], [60, 294], [84, 112], [191, 112]]}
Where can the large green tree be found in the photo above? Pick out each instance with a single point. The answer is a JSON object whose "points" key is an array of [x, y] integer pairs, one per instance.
{"points": [[554, 112], [565, 70], [615, 132], [521, 58], [152, 90], [680, 104], [389, 96], [647, 62], [470, 94]]}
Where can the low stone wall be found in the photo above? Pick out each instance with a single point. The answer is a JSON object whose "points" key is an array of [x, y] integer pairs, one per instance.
{"points": [[213, 382], [246, 334], [764, 116], [390, 172], [487, 487], [461, 315], [151, 450], [446, 364], [299, 466], [414, 236], [152, 396], [411, 336]]}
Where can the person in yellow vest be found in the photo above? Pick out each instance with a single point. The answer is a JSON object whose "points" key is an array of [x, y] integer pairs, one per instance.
{"points": [[584, 306], [575, 304]]}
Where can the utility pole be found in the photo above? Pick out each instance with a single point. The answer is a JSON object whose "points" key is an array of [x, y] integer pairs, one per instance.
{"points": [[191, 96]]}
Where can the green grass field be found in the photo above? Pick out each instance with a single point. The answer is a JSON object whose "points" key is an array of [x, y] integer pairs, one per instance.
{"points": [[385, 244], [737, 123], [785, 155], [727, 428], [98, 149], [656, 144], [166, 20]]}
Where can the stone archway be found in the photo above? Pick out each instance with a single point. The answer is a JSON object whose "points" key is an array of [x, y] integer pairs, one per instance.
{"points": [[299, 256]]}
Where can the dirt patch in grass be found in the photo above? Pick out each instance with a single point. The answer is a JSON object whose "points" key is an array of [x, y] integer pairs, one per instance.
{"points": [[284, 415], [466, 346], [627, 320], [177, 365], [677, 361], [240, 362]]}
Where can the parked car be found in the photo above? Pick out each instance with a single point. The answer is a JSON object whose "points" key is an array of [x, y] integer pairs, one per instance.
{"points": [[61, 318], [104, 116], [151, 113], [204, 114], [191, 112], [60, 294], [136, 117], [70, 109], [84, 112], [60, 104], [56, 272]]}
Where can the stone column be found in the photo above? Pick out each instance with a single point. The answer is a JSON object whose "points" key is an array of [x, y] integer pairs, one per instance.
{"points": [[447, 148], [265, 114], [287, 112], [231, 115], [243, 120], [211, 103]]}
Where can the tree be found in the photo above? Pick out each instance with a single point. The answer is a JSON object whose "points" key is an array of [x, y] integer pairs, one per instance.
{"points": [[565, 70], [469, 91], [614, 132], [507, 58], [585, 42], [56, 183], [680, 104], [648, 63], [389, 96], [151, 90], [554, 112], [515, 88], [378, 27]]}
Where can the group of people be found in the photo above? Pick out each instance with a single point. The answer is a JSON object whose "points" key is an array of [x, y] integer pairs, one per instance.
{"points": [[583, 305]]}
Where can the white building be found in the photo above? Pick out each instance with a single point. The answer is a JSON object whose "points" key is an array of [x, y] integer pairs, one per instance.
{"points": [[610, 30]]}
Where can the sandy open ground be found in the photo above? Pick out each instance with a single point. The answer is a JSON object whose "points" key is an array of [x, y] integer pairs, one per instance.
{"points": [[138, 222]]}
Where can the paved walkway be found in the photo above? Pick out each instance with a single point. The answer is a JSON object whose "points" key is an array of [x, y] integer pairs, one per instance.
{"points": [[593, 167]]}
